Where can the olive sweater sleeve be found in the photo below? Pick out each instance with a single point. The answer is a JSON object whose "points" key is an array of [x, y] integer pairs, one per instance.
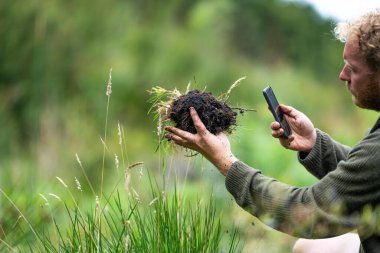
{"points": [[330, 207], [325, 155]]}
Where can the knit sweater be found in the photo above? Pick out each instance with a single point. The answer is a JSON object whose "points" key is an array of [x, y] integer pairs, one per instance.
{"points": [[345, 198]]}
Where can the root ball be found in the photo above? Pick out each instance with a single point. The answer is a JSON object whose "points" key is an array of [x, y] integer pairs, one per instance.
{"points": [[216, 115]]}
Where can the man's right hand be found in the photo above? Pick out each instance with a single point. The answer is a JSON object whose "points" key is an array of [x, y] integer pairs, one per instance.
{"points": [[303, 135]]}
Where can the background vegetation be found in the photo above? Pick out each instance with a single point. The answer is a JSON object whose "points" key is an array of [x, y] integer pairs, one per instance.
{"points": [[55, 59]]}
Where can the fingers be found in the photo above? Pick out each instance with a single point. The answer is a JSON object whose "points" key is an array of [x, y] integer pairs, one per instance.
{"points": [[198, 124], [183, 137], [180, 135], [175, 138], [278, 133], [288, 143], [176, 132], [275, 125]]}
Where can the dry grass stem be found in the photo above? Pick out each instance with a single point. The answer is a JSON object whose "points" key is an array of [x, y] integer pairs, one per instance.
{"points": [[153, 201], [85, 174], [224, 97], [134, 165], [104, 143]]}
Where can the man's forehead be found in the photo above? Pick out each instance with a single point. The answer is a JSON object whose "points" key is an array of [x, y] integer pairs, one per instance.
{"points": [[352, 44], [352, 50]]}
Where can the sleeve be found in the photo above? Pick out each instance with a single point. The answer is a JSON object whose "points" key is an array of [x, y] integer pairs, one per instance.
{"points": [[328, 208], [325, 155]]}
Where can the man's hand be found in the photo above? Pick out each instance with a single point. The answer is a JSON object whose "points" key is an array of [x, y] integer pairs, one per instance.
{"points": [[216, 148], [304, 134]]}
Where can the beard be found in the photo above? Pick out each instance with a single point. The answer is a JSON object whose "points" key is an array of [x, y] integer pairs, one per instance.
{"points": [[369, 96]]}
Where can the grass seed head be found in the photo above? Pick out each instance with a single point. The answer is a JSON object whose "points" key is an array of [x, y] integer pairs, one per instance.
{"points": [[79, 186], [55, 196], [45, 199], [109, 84], [61, 181]]}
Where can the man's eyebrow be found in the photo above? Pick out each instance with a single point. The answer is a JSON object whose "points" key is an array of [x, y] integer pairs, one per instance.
{"points": [[348, 63]]}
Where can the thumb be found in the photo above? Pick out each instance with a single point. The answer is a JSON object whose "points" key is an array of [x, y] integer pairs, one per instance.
{"points": [[289, 110]]}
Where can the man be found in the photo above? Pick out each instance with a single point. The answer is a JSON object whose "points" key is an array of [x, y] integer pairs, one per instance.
{"points": [[347, 195]]}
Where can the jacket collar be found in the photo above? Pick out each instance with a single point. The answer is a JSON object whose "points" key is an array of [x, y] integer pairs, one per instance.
{"points": [[376, 126]]}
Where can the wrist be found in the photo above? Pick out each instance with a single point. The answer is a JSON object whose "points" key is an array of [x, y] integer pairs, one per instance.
{"points": [[313, 141], [309, 143], [225, 164]]}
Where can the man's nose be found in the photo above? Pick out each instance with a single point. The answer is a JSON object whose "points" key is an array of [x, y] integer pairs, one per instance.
{"points": [[343, 74]]}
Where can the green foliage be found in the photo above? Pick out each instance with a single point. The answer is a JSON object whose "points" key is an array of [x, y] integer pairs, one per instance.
{"points": [[54, 55]]}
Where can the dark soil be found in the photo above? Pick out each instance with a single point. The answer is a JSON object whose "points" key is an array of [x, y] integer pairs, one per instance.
{"points": [[217, 116]]}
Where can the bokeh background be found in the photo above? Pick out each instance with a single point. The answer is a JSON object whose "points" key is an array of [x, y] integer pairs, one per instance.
{"points": [[55, 59]]}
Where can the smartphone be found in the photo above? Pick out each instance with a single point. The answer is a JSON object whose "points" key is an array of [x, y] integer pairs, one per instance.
{"points": [[276, 111]]}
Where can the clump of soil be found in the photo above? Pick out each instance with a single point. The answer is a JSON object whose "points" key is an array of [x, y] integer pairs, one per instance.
{"points": [[216, 115]]}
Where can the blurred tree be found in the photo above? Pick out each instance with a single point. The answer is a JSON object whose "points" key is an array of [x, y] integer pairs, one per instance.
{"points": [[273, 31]]}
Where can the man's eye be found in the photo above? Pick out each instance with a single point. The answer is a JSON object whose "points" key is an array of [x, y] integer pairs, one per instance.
{"points": [[350, 69]]}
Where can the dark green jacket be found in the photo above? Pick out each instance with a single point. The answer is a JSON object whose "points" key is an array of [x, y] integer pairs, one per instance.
{"points": [[346, 197]]}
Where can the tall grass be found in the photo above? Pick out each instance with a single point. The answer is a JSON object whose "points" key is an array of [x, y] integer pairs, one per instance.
{"points": [[168, 223], [119, 220], [177, 225]]}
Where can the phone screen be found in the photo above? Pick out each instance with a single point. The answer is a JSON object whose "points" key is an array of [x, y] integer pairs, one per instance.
{"points": [[276, 111]]}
